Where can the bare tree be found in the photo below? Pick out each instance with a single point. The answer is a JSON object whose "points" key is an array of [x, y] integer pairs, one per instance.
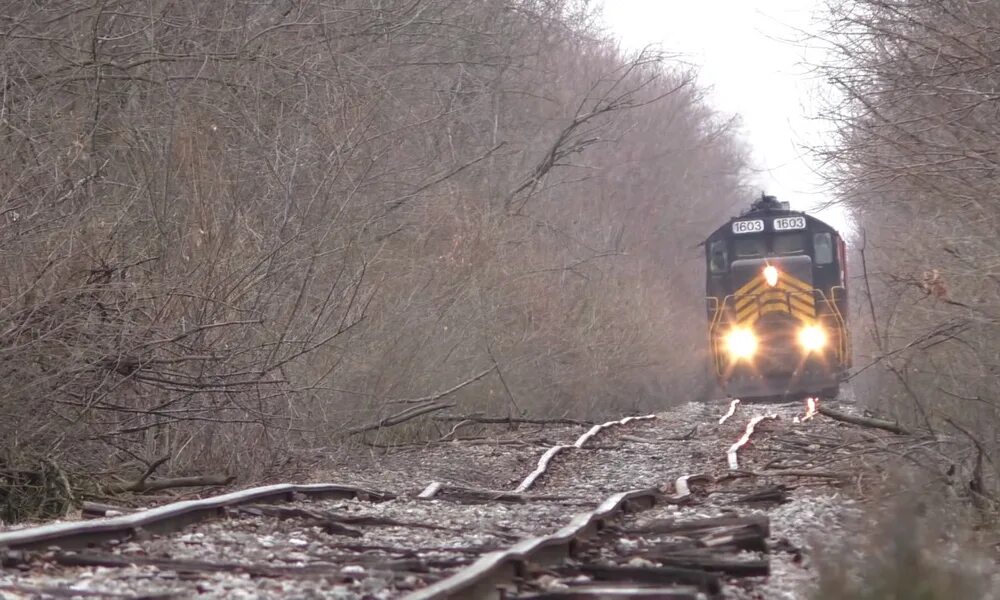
{"points": [[265, 222], [916, 160]]}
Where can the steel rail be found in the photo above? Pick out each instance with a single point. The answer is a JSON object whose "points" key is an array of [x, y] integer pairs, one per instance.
{"points": [[170, 517], [543, 462], [598, 428], [543, 465], [482, 579]]}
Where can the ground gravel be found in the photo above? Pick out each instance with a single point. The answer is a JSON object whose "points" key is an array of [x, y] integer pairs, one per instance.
{"points": [[403, 544]]}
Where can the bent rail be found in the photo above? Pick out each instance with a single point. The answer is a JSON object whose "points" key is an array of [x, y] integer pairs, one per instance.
{"points": [[170, 517], [480, 580]]}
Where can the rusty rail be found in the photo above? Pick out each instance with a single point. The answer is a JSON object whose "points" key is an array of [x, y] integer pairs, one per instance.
{"points": [[170, 517], [481, 579]]}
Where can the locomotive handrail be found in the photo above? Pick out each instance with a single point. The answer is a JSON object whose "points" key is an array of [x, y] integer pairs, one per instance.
{"points": [[713, 337], [841, 322]]}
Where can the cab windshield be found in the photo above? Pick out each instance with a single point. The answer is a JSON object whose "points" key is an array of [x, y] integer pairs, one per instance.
{"points": [[789, 243], [750, 247]]}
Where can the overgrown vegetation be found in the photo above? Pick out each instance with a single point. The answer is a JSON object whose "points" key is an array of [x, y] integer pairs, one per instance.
{"points": [[916, 161], [914, 550], [235, 230]]}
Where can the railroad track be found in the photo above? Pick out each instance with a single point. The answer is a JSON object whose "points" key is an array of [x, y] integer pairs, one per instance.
{"points": [[640, 508]]}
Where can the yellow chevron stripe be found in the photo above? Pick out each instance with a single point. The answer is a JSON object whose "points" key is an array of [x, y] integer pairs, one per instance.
{"points": [[795, 282], [752, 304], [807, 309], [789, 295], [768, 302], [804, 297], [744, 314], [750, 286], [767, 294]]}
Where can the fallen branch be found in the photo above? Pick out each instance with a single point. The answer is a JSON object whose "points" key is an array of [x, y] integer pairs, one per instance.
{"points": [[892, 426], [141, 486], [511, 420], [454, 429], [153, 466], [447, 392], [400, 417]]}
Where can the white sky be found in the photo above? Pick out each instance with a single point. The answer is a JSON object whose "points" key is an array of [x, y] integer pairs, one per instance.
{"points": [[753, 57]]}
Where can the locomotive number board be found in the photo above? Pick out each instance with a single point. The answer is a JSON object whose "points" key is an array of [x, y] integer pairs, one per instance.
{"points": [[748, 226], [786, 223]]}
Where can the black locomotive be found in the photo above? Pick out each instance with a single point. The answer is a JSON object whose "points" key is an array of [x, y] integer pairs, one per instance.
{"points": [[777, 304]]}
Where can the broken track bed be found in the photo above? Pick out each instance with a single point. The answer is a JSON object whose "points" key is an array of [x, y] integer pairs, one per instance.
{"points": [[695, 526], [317, 540], [806, 478], [369, 545]]}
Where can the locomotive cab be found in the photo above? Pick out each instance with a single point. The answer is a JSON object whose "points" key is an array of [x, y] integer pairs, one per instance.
{"points": [[777, 300]]}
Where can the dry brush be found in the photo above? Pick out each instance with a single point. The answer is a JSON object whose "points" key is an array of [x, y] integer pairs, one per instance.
{"points": [[915, 159], [235, 231]]}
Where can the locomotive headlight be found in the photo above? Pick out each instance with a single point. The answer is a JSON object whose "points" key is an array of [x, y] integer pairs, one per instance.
{"points": [[812, 338], [771, 275], [741, 343]]}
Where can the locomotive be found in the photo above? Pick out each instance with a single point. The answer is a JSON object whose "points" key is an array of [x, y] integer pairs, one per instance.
{"points": [[777, 304]]}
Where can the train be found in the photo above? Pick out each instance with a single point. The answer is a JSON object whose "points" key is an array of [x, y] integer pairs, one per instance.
{"points": [[776, 294]]}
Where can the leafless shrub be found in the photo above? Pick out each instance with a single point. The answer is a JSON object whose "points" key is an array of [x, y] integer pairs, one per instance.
{"points": [[234, 230], [915, 537], [916, 161], [916, 548]]}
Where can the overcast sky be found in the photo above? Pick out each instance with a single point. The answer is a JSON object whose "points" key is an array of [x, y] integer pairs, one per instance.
{"points": [[753, 56]]}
